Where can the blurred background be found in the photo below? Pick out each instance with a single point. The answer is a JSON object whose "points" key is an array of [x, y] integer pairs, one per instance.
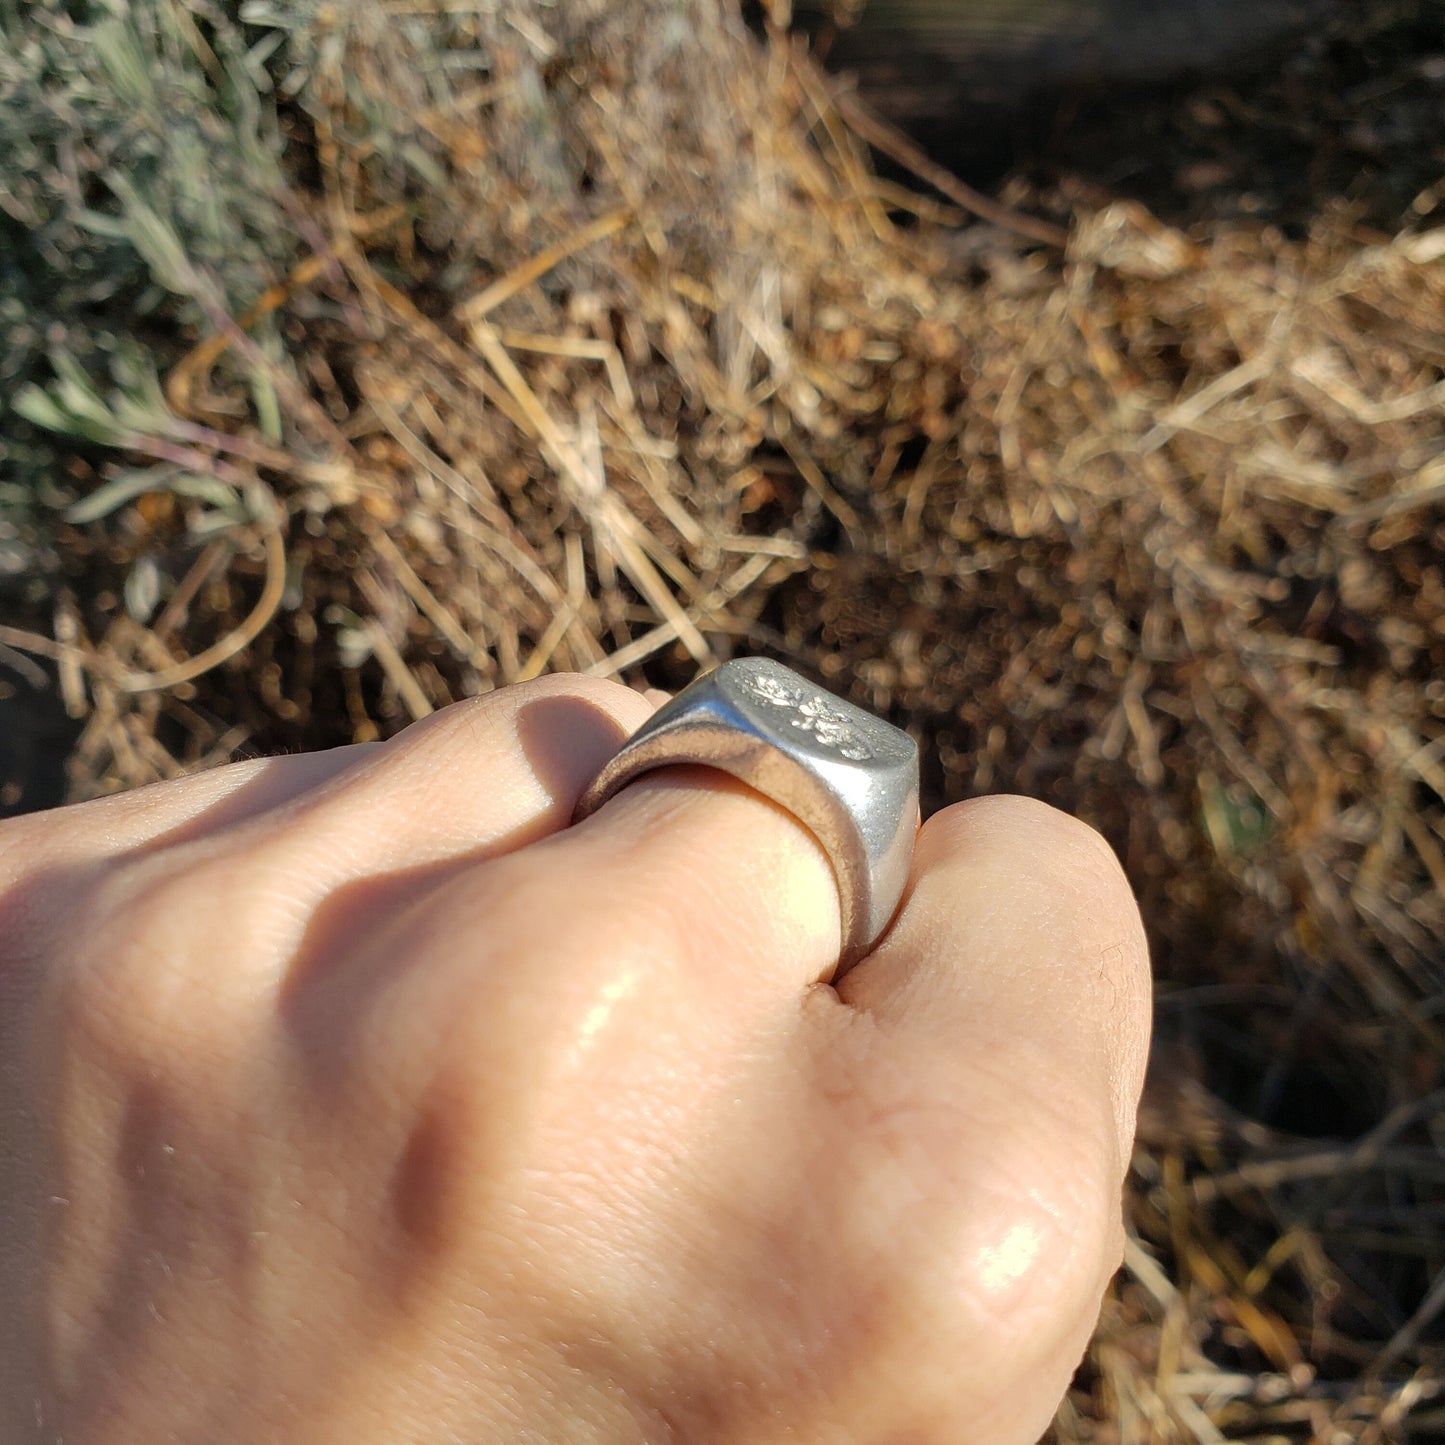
{"points": [[1062, 379]]}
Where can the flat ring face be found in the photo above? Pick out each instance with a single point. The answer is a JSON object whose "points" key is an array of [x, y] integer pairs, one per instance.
{"points": [[850, 778], [798, 715]]}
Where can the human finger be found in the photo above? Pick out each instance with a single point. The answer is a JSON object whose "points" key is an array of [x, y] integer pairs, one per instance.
{"points": [[508, 764], [371, 829], [437, 782], [1008, 1008], [177, 808], [742, 889], [689, 909], [947, 1155], [1018, 918], [496, 771]]}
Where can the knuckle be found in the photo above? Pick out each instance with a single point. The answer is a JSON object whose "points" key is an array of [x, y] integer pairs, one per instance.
{"points": [[1035, 1258], [483, 758], [998, 1287], [1020, 823], [590, 928], [512, 960], [1029, 1260], [499, 710], [1029, 844], [20, 840], [1001, 1249], [37, 857], [112, 949], [605, 691], [530, 1038], [1080, 851], [141, 966], [31, 903]]}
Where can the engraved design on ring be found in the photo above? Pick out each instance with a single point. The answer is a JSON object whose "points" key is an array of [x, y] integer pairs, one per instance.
{"points": [[814, 715]]}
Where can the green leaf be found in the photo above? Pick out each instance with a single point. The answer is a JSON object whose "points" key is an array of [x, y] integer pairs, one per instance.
{"points": [[118, 49], [38, 407], [1235, 820], [142, 590], [71, 407], [154, 239], [125, 488]]}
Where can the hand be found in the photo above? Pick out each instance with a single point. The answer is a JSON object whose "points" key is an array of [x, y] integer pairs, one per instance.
{"points": [[355, 1097]]}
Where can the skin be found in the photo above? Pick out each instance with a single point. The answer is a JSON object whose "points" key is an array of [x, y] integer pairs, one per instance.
{"points": [[355, 1097]]}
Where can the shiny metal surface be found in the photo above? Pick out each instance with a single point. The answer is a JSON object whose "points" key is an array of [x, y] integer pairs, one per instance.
{"points": [[850, 778]]}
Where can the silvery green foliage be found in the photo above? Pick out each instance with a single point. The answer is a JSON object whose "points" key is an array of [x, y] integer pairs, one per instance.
{"points": [[142, 196], [141, 186], [139, 194]]}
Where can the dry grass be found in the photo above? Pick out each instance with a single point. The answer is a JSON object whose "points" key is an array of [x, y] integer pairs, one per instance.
{"points": [[1149, 525]]}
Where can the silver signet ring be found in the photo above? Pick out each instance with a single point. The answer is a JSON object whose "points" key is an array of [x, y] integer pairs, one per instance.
{"points": [[848, 777]]}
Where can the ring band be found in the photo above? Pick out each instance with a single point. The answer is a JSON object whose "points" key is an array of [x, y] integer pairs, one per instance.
{"points": [[848, 777]]}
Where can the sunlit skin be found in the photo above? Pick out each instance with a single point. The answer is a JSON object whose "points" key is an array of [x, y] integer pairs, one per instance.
{"points": [[355, 1097]]}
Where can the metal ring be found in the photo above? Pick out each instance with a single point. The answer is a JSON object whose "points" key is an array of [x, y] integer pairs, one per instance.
{"points": [[850, 778]]}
